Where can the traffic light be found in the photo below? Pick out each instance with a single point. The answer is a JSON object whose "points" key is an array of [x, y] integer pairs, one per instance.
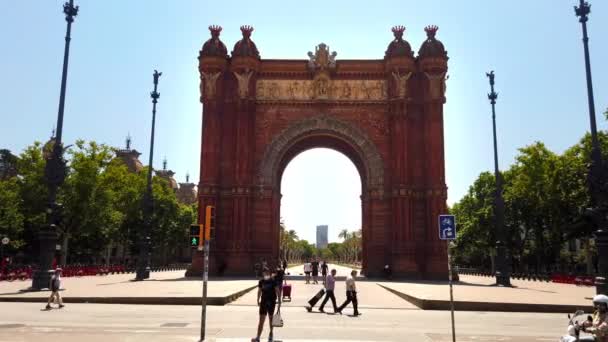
{"points": [[196, 233], [209, 222]]}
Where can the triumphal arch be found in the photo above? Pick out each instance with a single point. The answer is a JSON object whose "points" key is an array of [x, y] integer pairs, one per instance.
{"points": [[386, 115]]}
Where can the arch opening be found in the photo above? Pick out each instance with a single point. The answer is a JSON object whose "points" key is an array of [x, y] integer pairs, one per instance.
{"points": [[320, 187]]}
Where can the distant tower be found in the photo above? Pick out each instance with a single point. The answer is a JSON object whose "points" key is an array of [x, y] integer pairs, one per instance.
{"points": [[130, 157], [322, 236], [186, 193]]}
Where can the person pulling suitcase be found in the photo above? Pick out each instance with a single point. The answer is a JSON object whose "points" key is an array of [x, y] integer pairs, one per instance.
{"points": [[313, 301], [330, 283]]}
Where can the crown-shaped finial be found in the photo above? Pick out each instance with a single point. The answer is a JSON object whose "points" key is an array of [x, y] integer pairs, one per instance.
{"points": [[431, 30], [398, 31], [215, 30], [246, 30]]}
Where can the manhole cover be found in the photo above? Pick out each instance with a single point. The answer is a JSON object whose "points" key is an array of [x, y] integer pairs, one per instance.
{"points": [[8, 326], [174, 325]]}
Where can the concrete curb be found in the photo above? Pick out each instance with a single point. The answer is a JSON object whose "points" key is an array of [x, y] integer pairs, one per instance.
{"points": [[435, 304], [215, 301]]}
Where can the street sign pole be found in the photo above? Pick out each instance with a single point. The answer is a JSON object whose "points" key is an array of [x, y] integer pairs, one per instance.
{"points": [[205, 278], [451, 292], [447, 232]]}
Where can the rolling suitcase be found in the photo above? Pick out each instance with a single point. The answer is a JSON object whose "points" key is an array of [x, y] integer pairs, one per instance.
{"points": [[316, 298], [287, 291]]}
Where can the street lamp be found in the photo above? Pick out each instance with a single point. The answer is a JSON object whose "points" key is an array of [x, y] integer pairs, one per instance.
{"points": [[145, 243], [55, 171], [502, 272], [597, 177]]}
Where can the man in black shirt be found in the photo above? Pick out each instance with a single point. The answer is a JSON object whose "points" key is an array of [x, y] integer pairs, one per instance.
{"points": [[279, 276], [324, 268], [315, 270], [268, 292]]}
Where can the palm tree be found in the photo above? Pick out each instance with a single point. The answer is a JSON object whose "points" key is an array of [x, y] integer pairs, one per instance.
{"points": [[344, 234]]}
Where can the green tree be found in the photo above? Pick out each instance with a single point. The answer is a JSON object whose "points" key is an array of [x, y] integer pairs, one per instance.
{"points": [[11, 217], [475, 212], [89, 217], [33, 193]]}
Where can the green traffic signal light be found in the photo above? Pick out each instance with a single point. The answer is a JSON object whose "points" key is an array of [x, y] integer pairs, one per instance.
{"points": [[194, 241]]}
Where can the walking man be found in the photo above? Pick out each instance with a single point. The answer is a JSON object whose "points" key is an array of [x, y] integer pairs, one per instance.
{"points": [[268, 292], [351, 294], [55, 285], [330, 284], [315, 271], [307, 269], [324, 268]]}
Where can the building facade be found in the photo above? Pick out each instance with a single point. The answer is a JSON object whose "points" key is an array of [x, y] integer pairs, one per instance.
{"points": [[322, 236]]}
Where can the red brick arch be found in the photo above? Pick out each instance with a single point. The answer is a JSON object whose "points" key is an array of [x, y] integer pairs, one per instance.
{"points": [[322, 131], [386, 115]]}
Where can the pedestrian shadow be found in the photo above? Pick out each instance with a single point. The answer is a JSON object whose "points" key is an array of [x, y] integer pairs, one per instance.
{"points": [[28, 290], [118, 282], [464, 283]]}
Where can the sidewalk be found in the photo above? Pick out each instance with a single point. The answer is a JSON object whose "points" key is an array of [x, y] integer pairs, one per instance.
{"points": [[162, 288], [473, 293]]}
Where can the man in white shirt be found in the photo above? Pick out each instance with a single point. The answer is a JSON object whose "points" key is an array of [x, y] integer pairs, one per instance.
{"points": [[307, 270], [351, 294]]}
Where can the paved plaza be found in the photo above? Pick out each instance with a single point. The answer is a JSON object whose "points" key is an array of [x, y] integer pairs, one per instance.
{"points": [[387, 316], [102, 322], [162, 288]]}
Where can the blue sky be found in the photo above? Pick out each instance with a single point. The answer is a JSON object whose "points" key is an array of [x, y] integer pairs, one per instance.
{"points": [[534, 47]]}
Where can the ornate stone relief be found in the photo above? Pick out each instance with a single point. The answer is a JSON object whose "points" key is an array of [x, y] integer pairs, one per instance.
{"points": [[210, 79], [370, 156], [321, 60], [243, 79], [321, 88], [437, 84]]}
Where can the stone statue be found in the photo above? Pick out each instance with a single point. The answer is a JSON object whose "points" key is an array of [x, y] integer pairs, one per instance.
{"points": [[437, 84], [311, 60], [210, 79], [401, 81], [332, 59], [243, 80]]}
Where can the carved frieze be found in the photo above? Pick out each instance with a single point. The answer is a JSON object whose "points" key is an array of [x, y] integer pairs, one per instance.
{"points": [[321, 88]]}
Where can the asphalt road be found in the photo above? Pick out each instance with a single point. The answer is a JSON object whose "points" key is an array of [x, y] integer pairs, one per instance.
{"points": [[102, 322]]}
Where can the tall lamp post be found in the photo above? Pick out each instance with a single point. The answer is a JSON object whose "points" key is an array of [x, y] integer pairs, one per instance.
{"points": [[597, 178], [55, 171], [145, 243], [502, 272]]}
